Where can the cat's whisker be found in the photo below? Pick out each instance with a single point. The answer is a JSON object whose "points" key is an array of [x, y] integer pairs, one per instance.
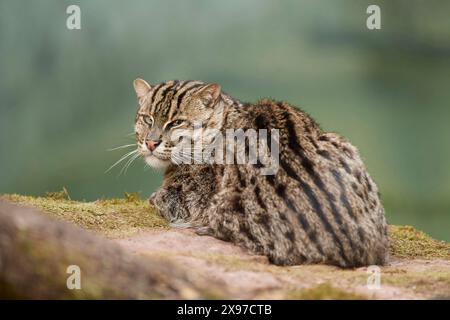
{"points": [[192, 155], [175, 158], [128, 164], [122, 147], [132, 162], [183, 155], [178, 159], [122, 159]]}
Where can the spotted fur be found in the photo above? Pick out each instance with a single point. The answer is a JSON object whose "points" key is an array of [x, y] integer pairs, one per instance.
{"points": [[321, 206]]}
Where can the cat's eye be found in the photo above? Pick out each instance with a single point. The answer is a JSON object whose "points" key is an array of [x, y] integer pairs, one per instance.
{"points": [[148, 120], [173, 124]]}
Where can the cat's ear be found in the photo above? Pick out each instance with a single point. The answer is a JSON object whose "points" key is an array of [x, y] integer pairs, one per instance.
{"points": [[208, 93], [141, 87]]}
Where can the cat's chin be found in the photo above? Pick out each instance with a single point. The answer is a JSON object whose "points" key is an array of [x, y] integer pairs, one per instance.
{"points": [[155, 162]]}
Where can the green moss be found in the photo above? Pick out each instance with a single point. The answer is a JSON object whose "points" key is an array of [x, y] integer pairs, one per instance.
{"points": [[113, 217], [324, 292], [407, 242], [58, 195], [132, 197]]}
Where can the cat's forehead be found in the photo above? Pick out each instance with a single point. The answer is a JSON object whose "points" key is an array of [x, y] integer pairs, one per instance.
{"points": [[165, 98]]}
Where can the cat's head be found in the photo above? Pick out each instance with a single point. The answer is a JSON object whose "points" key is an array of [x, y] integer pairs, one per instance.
{"points": [[170, 107]]}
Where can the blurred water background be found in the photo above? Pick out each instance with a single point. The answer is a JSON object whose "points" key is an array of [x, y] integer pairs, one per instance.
{"points": [[66, 96]]}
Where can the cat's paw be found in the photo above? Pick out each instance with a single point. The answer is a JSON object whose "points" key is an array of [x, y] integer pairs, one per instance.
{"points": [[156, 200], [151, 200], [204, 231], [180, 224]]}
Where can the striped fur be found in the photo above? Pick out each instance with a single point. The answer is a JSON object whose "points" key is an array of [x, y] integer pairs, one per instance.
{"points": [[320, 207]]}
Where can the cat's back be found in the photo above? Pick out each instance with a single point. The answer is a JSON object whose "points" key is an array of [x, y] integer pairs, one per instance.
{"points": [[321, 204]]}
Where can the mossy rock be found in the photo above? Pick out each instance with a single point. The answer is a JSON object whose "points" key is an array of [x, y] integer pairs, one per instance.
{"points": [[112, 217], [407, 242], [36, 252], [123, 217], [419, 267]]}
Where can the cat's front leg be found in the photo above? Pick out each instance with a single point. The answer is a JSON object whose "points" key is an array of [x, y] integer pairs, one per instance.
{"points": [[156, 200], [204, 231], [168, 202]]}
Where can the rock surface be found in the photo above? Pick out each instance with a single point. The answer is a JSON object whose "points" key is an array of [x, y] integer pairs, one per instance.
{"points": [[130, 242]]}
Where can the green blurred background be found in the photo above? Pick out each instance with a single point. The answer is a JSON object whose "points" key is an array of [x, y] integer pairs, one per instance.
{"points": [[66, 96]]}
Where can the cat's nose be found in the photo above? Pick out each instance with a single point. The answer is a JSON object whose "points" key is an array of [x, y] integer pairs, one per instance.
{"points": [[152, 144]]}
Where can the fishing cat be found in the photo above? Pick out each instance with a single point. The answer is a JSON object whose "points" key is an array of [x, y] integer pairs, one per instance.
{"points": [[320, 206]]}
